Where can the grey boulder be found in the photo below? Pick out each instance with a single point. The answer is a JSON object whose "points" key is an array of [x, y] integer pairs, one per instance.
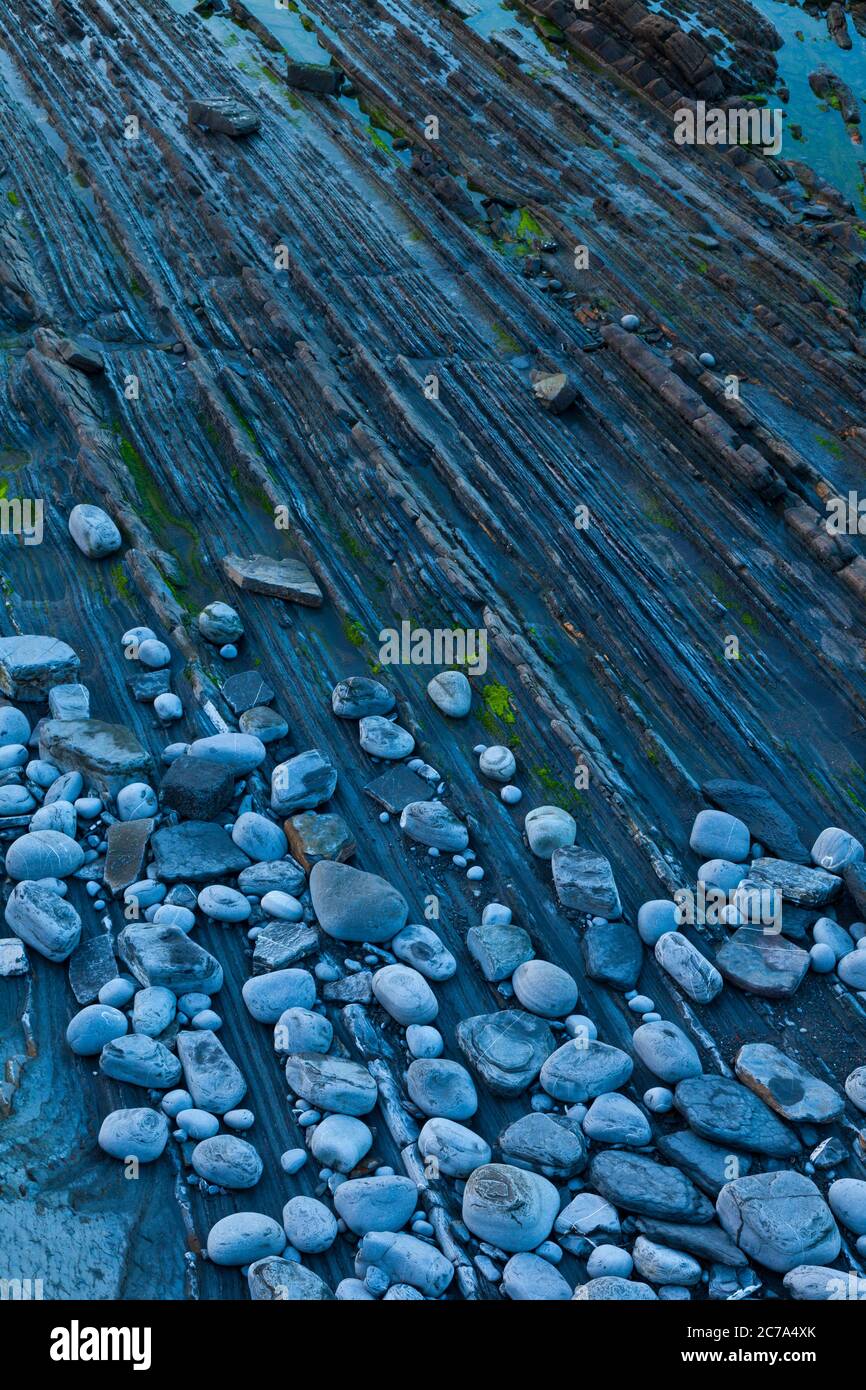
{"points": [[43, 920], [352, 905], [779, 1219]]}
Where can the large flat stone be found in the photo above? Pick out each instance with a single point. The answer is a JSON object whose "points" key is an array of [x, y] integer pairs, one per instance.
{"points": [[107, 755], [708, 1165], [709, 1242], [786, 1086], [638, 1184], [31, 664], [797, 884], [196, 852], [780, 1220], [763, 963], [165, 955], [506, 1049], [768, 823], [288, 579], [584, 882], [721, 1110]]}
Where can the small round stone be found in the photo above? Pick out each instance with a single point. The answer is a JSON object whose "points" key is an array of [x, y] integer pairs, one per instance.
{"points": [[282, 906], [544, 989], [136, 801], [223, 904], [239, 1119], [549, 828], [498, 763], [451, 692], [259, 838], [424, 1041], [229, 651], [220, 624], [168, 707], [293, 1160], [309, 1225], [154, 655], [175, 1101], [117, 992], [243, 1237], [139, 1133], [92, 1027], [197, 1124], [608, 1260], [511, 795], [659, 1100], [822, 958]]}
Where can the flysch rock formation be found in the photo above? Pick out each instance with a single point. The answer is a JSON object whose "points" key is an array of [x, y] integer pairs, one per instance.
{"points": [[307, 373]]}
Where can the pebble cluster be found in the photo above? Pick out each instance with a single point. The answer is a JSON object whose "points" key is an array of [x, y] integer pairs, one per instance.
{"points": [[714, 1181]]}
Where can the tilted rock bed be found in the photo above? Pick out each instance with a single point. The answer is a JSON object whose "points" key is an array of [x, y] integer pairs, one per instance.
{"points": [[720, 1175]]}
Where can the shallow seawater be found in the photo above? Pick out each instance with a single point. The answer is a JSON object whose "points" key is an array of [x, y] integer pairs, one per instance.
{"points": [[825, 144]]}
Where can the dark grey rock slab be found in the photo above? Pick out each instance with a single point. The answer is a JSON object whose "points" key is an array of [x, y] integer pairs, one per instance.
{"points": [[708, 1165], [721, 1110], [799, 885], [165, 955], [196, 852], [146, 685], [708, 1242], [769, 824], [91, 965], [285, 578], [638, 1184], [197, 788], [612, 954], [763, 963], [584, 882], [245, 690], [398, 788]]}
